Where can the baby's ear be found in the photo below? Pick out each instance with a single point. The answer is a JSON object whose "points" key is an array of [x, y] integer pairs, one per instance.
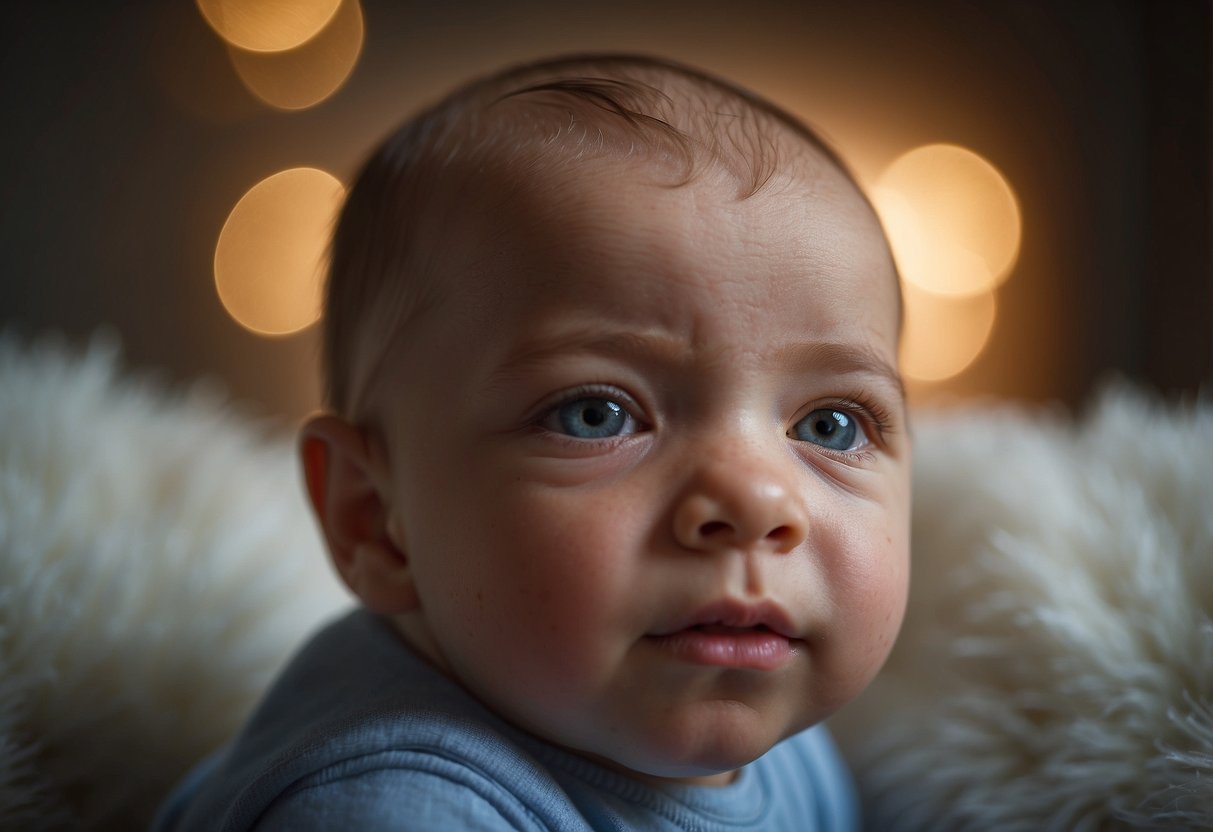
{"points": [[347, 486]]}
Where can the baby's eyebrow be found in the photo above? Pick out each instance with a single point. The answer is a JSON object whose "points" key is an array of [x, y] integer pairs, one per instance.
{"points": [[846, 359], [648, 347]]}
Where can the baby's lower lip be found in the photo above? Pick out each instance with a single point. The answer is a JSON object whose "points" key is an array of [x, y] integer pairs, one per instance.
{"points": [[750, 648]]}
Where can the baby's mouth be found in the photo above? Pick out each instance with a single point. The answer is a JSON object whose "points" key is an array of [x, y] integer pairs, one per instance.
{"points": [[756, 647], [724, 629]]}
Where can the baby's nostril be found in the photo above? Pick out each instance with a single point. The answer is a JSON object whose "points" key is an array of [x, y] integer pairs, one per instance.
{"points": [[781, 534], [713, 528]]}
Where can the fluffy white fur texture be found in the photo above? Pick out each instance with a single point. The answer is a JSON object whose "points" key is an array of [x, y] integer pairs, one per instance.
{"points": [[1055, 670], [157, 563]]}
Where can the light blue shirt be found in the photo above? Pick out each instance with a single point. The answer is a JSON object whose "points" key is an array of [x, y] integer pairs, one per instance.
{"points": [[359, 733]]}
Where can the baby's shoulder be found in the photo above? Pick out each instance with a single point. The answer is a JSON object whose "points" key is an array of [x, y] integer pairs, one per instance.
{"points": [[357, 732], [413, 789], [415, 769]]}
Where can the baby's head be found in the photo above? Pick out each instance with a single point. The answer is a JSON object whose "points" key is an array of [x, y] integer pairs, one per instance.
{"points": [[619, 442]]}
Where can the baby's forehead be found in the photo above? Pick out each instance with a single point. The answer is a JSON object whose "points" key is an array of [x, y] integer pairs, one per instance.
{"points": [[535, 197], [567, 221], [537, 158]]}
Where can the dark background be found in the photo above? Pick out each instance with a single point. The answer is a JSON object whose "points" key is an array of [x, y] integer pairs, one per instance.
{"points": [[127, 139]]}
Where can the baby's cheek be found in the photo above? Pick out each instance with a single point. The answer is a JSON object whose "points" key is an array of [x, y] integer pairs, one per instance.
{"points": [[871, 602], [884, 614], [549, 583]]}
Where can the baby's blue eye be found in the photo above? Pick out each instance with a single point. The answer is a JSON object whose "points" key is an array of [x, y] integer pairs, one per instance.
{"points": [[593, 418], [831, 429]]}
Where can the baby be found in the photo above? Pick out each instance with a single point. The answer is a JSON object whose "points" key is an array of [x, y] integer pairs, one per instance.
{"points": [[617, 465]]}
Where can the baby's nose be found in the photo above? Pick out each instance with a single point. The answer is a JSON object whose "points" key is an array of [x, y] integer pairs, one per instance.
{"points": [[744, 506]]}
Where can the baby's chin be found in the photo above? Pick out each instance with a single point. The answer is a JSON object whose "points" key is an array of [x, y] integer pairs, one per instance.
{"points": [[711, 754], [664, 773]]}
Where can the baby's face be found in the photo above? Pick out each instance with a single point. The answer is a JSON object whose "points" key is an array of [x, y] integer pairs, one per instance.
{"points": [[649, 464]]}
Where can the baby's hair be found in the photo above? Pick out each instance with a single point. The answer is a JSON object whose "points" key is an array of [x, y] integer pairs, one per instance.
{"points": [[561, 112]]}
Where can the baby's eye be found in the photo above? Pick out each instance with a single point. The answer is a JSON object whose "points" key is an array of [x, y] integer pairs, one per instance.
{"points": [[591, 417], [829, 428]]}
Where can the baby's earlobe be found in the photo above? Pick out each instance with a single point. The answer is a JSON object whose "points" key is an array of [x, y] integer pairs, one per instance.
{"points": [[379, 575], [392, 530]]}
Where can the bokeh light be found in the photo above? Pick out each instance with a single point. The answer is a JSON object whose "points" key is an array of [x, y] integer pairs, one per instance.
{"points": [[270, 257], [954, 224], [952, 219], [268, 25], [944, 335], [306, 75]]}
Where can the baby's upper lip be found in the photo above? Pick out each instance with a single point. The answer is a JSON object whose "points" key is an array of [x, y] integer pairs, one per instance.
{"points": [[734, 613]]}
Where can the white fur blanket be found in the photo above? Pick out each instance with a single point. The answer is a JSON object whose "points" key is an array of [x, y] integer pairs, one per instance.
{"points": [[1055, 670], [157, 564]]}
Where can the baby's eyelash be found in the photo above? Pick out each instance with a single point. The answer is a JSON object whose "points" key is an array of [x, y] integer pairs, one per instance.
{"points": [[584, 391], [881, 416], [867, 405]]}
